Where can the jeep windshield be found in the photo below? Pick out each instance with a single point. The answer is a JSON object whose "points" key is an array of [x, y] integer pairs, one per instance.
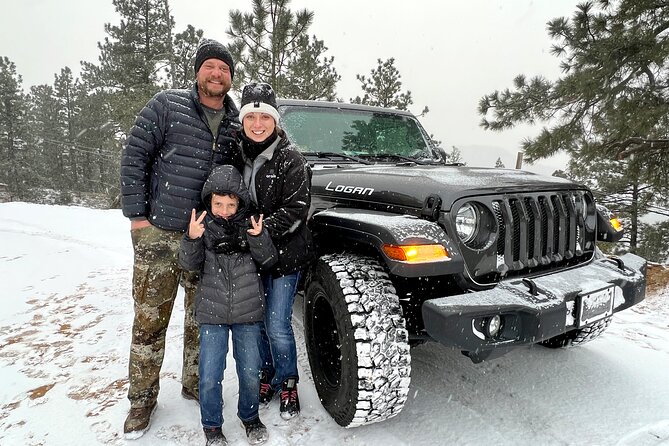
{"points": [[356, 135]]}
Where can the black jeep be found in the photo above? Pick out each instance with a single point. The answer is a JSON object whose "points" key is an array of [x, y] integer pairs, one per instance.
{"points": [[412, 248]]}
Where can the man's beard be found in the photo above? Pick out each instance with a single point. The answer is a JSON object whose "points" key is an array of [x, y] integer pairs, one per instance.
{"points": [[204, 88]]}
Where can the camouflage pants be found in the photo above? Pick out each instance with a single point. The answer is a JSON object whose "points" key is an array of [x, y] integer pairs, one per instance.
{"points": [[155, 281]]}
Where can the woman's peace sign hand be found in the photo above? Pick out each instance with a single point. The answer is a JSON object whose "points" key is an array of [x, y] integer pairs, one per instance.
{"points": [[257, 226]]}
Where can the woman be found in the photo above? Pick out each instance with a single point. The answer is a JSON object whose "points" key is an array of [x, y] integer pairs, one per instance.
{"points": [[278, 179]]}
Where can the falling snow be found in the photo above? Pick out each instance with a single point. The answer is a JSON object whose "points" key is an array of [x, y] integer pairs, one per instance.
{"points": [[65, 330]]}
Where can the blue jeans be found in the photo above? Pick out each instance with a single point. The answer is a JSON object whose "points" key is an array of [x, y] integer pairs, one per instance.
{"points": [[277, 343], [213, 351]]}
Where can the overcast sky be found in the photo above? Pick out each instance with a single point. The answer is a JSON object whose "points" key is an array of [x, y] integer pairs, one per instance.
{"points": [[449, 53]]}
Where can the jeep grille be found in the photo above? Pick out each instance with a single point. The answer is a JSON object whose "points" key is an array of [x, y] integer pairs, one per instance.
{"points": [[534, 232], [540, 230]]}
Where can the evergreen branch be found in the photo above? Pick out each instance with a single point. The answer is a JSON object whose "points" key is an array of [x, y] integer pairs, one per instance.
{"points": [[625, 148], [80, 147]]}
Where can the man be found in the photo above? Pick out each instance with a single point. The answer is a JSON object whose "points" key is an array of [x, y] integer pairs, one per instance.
{"points": [[178, 137]]}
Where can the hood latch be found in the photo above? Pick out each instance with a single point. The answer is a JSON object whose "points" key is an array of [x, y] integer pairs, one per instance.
{"points": [[431, 207]]}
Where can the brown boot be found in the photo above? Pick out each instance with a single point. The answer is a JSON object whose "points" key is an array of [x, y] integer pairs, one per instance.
{"points": [[138, 421], [190, 395]]}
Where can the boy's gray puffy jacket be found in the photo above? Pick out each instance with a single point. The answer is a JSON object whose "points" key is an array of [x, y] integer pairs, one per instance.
{"points": [[230, 289], [168, 157]]}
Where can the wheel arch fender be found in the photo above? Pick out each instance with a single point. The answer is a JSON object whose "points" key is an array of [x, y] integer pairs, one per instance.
{"points": [[375, 229]]}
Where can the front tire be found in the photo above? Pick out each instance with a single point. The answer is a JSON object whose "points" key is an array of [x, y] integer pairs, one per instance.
{"points": [[356, 340]]}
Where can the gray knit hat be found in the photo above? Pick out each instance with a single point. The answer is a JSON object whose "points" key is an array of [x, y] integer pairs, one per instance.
{"points": [[211, 49]]}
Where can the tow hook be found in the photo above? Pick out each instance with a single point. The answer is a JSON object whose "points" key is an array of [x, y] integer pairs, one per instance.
{"points": [[534, 289], [618, 261]]}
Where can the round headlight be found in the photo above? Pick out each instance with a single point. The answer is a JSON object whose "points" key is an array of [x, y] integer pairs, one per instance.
{"points": [[467, 222], [589, 212]]}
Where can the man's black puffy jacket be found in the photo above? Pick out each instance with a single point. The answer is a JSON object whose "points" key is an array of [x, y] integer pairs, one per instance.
{"points": [[168, 157]]}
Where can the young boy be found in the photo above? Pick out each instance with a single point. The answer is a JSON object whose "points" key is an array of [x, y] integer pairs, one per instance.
{"points": [[230, 297]]}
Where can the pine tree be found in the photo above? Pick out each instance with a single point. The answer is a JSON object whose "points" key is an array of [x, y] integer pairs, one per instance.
{"points": [[13, 131], [654, 244], [102, 138], [618, 186], [65, 146], [184, 48], [454, 156], [134, 57], [383, 88], [68, 114], [138, 58], [612, 100], [310, 75], [499, 164], [49, 167], [136, 50], [271, 45]]}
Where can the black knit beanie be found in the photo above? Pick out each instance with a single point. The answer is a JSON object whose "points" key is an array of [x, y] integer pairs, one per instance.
{"points": [[258, 97], [211, 49]]}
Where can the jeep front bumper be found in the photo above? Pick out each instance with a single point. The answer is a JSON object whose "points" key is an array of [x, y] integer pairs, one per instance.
{"points": [[533, 310]]}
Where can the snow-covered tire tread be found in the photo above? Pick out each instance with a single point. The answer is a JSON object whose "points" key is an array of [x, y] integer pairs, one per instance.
{"points": [[591, 332], [579, 336], [381, 340]]}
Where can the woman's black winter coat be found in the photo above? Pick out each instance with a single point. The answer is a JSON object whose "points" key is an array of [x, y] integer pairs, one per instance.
{"points": [[283, 192]]}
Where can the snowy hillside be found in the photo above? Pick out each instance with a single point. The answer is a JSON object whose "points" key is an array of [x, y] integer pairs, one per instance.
{"points": [[65, 319]]}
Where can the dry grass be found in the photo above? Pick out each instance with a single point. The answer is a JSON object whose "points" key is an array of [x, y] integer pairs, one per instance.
{"points": [[657, 278], [40, 391]]}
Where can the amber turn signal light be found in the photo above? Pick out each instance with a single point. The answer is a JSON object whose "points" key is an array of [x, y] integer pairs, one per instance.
{"points": [[617, 225], [416, 253]]}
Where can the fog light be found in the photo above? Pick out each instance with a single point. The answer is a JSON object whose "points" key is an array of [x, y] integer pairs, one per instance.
{"points": [[492, 325]]}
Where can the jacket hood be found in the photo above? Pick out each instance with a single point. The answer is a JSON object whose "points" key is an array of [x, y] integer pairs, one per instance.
{"points": [[226, 180]]}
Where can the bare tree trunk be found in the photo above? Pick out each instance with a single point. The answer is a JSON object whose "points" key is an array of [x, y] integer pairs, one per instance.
{"points": [[634, 217], [12, 177]]}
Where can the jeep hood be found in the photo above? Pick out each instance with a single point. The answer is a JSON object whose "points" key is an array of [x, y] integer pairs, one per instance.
{"points": [[408, 186]]}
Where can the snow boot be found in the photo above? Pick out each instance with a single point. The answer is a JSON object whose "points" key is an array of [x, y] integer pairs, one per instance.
{"points": [[256, 432], [138, 421], [214, 436], [189, 395], [290, 403], [266, 390]]}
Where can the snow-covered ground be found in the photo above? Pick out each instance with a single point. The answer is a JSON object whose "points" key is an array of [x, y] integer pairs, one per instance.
{"points": [[65, 319]]}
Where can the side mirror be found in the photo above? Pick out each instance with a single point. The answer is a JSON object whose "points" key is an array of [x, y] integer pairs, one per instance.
{"points": [[441, 153], [609, 228]]}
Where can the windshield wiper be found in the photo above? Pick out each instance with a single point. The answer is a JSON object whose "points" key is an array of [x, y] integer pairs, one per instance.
{"points": [[333, 154], [391, 156]]}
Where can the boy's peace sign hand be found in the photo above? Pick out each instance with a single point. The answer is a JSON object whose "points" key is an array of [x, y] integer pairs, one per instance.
{"points": [[257, 226], [196, 227]]}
